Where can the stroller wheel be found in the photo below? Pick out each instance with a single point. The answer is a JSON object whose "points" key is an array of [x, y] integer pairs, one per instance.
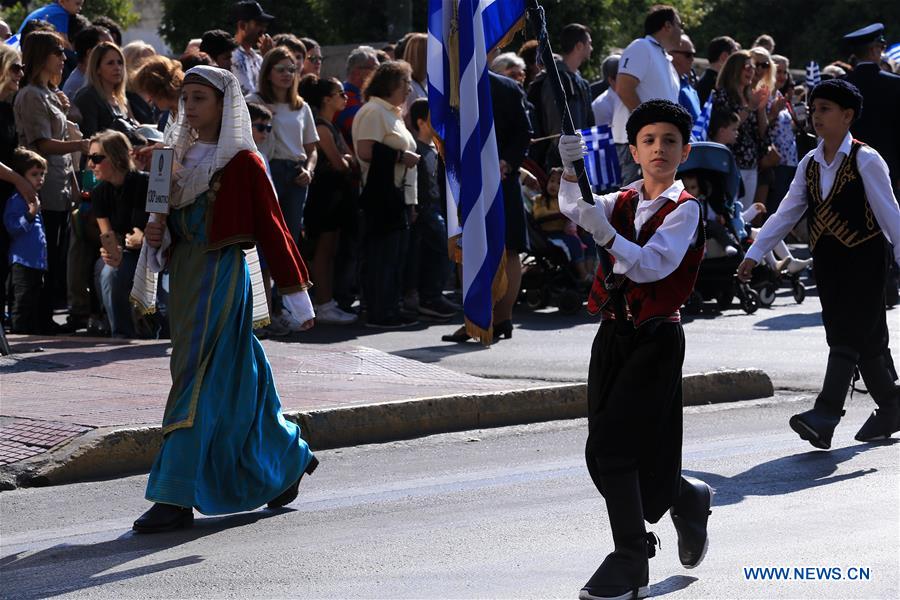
{"points": [[750, 302], [534, 298], [766, 294], [799, 291], [569, 302]]}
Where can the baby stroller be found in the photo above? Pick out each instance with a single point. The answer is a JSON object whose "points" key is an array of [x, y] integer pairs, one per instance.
{"points": [[717, 279], [548, 278]]}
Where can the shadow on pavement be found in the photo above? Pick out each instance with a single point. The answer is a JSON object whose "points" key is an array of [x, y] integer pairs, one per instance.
{"points": [[673, 583], [68, 568], [789, 322], [65, 353], [787, 475]]}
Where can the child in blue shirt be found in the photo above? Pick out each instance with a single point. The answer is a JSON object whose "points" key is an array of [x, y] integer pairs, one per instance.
{"points": [[31, 311]]}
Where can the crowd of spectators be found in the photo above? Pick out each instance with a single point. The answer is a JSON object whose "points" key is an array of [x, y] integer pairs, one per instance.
{"points": [[353, 163]]}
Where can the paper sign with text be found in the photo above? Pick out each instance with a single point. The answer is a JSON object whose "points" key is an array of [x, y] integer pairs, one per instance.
{"points": [[160, 181]]}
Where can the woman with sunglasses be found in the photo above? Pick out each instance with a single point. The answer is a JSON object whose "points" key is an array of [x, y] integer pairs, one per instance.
{"points": [[331, 205], [312, 65], [291, 149], [226, 446], [41, 125], [118, 201], [735, 94]]}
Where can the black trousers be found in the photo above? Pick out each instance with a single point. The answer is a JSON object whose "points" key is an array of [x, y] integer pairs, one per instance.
{"points": [[31, 312], [634, 409], [851, 288], [56, 228]]}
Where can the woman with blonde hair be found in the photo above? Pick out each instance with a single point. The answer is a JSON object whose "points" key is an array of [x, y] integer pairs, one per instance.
{"points": [[415, 53], [136, 56], [103, 101], [118, 201]]}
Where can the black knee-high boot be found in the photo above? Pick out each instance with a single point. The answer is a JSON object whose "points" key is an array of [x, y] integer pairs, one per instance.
{"points": [[817, 425], [624, 574], [879, 380], [690, 514]]}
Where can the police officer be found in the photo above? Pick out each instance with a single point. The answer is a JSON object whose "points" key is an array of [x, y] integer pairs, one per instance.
{"points": [[879, 124]]}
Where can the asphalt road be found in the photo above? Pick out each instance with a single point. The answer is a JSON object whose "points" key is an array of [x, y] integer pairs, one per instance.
{"points": [[787, 341], [503, 513]]}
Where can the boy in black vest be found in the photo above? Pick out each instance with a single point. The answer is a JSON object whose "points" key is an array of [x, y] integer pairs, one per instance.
{"points": [[654, 234], [844, 188]]}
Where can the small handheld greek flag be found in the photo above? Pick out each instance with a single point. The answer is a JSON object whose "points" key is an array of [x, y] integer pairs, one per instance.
{"points": [[601, 162], [893, 53], [701, 125], [813, 75]]}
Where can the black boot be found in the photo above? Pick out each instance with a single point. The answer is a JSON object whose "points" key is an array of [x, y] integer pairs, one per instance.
{"points": [[817, 425], [879, 380], [164, 517], [290, 494], [690, 514], [625, 573]]}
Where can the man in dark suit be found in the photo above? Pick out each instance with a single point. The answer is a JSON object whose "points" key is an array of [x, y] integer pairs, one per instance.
{"points": [[879, 123]]}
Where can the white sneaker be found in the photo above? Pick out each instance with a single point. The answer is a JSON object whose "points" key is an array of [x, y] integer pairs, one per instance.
{"points": [[330, 314], [286, 321], [798, 266]]}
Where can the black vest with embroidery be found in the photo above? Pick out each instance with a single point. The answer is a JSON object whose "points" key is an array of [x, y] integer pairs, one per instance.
{"points": [[844, 213]]}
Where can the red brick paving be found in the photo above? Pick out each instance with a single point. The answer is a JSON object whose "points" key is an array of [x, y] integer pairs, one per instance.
{"points": [[82, 383]]}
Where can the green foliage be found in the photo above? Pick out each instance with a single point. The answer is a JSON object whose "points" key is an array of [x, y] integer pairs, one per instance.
{"points": [[122, 11]]}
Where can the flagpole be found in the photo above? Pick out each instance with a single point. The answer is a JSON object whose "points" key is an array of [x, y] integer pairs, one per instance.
{"points": [[539, 25]]}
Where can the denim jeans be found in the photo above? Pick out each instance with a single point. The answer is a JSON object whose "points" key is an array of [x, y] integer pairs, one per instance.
{"points": [[115, 288], [291, 196], [382, 273]]}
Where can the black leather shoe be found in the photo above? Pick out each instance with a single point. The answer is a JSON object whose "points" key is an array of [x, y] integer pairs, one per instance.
{"points": [[459, 336], [816, 426], [503, 329], [164, 517], [290, 494], [690, 514], [881, 424]]}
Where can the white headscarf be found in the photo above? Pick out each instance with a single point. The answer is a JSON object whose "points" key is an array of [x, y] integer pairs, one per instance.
{"points": [[236, 135]]}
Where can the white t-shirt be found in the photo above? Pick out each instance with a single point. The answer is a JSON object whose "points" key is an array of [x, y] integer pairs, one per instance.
{"points": [[604, 107], [647, 61], [291, 129]]}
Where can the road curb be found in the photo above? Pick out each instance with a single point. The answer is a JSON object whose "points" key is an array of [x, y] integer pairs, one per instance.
{"points": [[117, 451]]}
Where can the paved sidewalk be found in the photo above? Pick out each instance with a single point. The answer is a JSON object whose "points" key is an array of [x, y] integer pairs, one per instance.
{"points": [[57, 388]]}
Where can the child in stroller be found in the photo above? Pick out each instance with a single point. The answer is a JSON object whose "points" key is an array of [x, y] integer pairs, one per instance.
{"points": [[558, 268]]}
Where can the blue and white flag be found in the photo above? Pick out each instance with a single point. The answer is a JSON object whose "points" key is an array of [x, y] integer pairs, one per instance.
{"points": [[460, 33], [813, 75], [893, 53], [700, 131], [601, 163]]}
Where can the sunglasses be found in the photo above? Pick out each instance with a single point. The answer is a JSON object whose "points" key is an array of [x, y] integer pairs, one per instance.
{"points": [[341, 93], [285, 69], [59, 51], [263, 127], [96, 158], [315, 59], [762, 65], [16, 68]]}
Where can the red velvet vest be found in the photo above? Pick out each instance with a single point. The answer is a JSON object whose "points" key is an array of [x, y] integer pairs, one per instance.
{"points": [[655, 299]]}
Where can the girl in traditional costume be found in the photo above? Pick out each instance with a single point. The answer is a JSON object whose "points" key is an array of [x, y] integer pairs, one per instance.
{"points": [[227, 448]]}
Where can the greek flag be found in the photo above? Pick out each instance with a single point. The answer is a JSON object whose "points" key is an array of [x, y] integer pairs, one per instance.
{"points": [[813, 75], [460, 33], [701, 126], [893, 53], [601, 162]]}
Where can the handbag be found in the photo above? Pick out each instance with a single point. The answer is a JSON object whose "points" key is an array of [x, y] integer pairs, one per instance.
{"points": [[770, 159]]}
